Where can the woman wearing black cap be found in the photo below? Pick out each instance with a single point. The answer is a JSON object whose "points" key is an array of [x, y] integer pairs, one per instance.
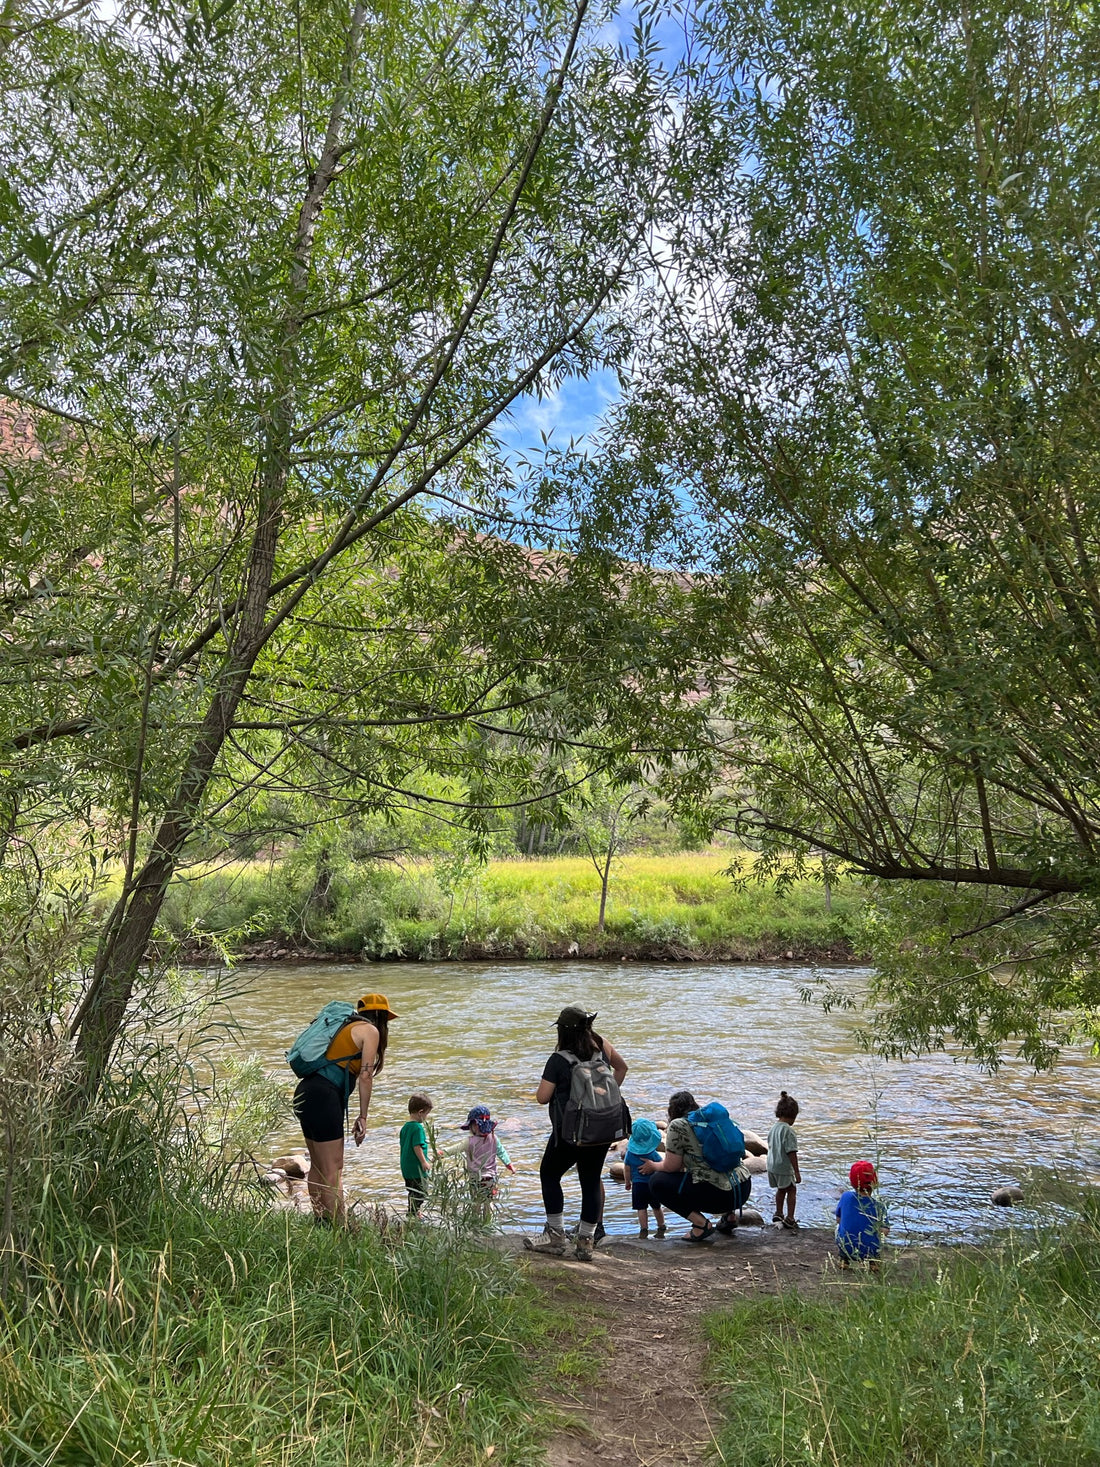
{"points": [[575, 1038]]}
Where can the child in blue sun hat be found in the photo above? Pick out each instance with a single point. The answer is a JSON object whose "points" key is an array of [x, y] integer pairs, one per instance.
{"points": [[644, 1141]]}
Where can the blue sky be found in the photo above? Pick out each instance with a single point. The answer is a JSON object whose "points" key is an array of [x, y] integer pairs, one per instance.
{"points": [[574, 409], [571, 410]]}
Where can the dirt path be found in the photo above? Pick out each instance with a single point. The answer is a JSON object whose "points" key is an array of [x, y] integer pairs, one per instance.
{"points": [[649, 1406]]}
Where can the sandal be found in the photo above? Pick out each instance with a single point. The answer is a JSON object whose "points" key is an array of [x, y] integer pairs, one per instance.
{"points": [[726, 1224], [790, 1224], [697, 1236]]}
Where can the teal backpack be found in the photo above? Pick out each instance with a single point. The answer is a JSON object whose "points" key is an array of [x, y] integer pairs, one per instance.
{"points": [[721, 1139], [307, 1055]]}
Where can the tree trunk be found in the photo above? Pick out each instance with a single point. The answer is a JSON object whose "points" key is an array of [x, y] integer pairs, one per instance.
{"points": [[605, 878], [129, 928]]}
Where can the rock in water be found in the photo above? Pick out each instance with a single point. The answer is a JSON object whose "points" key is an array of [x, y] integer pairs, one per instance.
{"points": [[750, 1218], [1006, 1196], [618, 1171], [753, 1143], [291, 1166]]}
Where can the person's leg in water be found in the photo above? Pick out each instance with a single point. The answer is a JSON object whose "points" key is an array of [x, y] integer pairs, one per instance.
{"points": [[417, 1197], [556, 1161], [321, 1112], [326, 1180], [792, 1198]]}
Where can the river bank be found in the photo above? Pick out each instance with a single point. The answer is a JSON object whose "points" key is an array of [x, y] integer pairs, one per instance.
{"points": [[683, 907], [759, 1352]]}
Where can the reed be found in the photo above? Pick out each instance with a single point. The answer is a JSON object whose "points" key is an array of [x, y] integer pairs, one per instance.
{"points": [[155, 1309], [978, 1359]]}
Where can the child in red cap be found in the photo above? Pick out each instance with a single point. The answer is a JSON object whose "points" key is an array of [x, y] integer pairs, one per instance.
{"points": [[862, 1219]]}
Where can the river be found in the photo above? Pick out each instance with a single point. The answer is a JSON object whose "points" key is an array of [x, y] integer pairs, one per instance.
{"points": [[942, 1134]]}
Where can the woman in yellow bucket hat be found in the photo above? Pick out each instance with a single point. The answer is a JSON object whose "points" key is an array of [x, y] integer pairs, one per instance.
{"points": [[354, 1055]]}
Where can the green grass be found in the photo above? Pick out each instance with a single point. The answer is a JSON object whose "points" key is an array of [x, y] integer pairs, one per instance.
{"points": [[679, 906], [987, 1360], [254, 1339]]}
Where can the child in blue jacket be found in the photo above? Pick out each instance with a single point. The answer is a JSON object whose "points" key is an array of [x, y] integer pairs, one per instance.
{"points": [[862, 1218]]}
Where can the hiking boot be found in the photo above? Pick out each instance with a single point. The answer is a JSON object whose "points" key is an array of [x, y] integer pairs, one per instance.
{"points": [[597, 1237], [550, 1241], [584, 1247]]}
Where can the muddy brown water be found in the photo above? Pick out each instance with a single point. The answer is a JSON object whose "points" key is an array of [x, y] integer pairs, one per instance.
{"points": [[942, 1133]]}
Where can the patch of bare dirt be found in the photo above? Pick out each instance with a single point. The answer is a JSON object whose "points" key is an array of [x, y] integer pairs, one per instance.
{"points": [[650, 1407]]}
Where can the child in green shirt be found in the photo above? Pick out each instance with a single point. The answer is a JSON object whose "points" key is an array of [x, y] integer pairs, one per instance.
{"points": [[415, 1165]]}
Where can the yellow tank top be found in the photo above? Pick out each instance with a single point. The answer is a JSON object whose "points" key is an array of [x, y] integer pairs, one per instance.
{"points": [[344, 1050]]}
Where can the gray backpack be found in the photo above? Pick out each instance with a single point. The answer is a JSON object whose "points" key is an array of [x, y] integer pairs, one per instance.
{"points": [[595, 1113]]}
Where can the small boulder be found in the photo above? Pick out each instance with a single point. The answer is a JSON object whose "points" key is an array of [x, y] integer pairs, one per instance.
{"points": [[754, 1144], [617, 1171], [756, 1166], [750, 1218], [1007, 1196], [291, 1165]]}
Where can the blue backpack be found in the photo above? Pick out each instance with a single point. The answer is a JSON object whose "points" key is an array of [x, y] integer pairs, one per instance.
{"points": [[721, 1140], [308, 1055]]}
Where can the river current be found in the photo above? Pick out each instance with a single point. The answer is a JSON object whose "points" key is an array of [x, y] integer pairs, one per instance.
{"points": [[942, 1133]]}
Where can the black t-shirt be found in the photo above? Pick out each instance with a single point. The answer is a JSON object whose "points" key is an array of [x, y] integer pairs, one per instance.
{"points": [[559, 1072]]}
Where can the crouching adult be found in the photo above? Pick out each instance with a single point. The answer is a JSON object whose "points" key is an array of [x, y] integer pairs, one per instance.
{"points": [[683, 1182]]}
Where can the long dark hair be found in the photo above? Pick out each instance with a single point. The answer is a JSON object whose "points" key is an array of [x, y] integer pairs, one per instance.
{"points": [[575, 1034], [380, 1018]]}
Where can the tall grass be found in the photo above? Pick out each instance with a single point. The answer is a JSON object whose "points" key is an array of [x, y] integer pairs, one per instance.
{"points": [[240, 1337], [987, 1359], [679, 905], [155, 1310]]}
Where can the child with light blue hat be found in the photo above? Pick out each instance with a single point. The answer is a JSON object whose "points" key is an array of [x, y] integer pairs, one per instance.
{"points": [[644, 1141]]}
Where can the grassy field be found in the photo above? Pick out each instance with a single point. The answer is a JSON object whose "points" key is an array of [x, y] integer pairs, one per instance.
{"points": [[669, 906], [984, 1360]]}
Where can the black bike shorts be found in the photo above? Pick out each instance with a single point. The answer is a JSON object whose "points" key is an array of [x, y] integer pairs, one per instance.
{"points": [[320, 1108]]}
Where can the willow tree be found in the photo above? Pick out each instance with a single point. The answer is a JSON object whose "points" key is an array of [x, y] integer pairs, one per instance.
{"points": [[873, 371], [269, 276]]}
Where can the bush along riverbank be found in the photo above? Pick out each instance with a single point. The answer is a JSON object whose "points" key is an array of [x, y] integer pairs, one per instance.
{"points": [[682, 907]]}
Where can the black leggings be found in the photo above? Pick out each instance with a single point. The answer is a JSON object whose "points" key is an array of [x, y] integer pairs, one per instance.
{"points": [[558, 1157], [680, 1192]]}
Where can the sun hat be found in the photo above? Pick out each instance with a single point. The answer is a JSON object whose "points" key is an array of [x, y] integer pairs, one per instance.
{"points": [[376, 1003], [478, 1120], [862, 1176], [644, 1136], [574, 1012]]}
